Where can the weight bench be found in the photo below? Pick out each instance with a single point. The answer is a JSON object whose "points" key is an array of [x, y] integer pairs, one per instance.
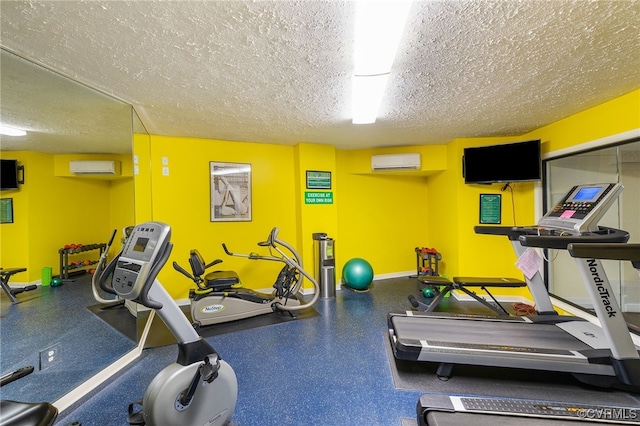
{"points": [[461, 283], [5, 276]]}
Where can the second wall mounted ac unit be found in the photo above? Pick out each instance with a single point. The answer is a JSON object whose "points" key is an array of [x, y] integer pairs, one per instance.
{"points": [[396, 162], [94, 167]]}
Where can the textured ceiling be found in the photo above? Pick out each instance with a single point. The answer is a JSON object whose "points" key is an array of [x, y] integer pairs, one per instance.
{"points": [[280, 71]]}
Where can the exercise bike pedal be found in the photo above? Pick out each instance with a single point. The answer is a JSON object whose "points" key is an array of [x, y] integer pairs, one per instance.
{"points": [[136, 418]]}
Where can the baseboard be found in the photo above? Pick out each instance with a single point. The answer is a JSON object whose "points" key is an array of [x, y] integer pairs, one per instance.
{"points": [[631, 307], [310, 291]]}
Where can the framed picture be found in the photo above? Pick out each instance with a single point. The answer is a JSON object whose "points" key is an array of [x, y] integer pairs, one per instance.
{"points": [[230, 192], [6, 210], [318, 180], [490, 209]]}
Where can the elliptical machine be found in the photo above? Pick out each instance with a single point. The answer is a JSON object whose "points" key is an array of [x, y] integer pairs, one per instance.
{"points": [[199, 388], [219, 297]]}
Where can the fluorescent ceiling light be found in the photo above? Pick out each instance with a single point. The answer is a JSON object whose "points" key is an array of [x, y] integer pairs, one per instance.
{"points": [[10, 131], [378, 30], [367, 97]]}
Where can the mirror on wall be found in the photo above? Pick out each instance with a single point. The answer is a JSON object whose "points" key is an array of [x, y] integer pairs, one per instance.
{"points": [[62, 331], [620, 164]]}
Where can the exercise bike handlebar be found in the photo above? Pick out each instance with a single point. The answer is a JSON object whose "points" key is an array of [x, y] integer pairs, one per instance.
{"points": [[184, 272]]}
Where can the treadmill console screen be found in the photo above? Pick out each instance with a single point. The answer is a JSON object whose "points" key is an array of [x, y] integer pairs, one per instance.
{"points": [[587, 194], [146, 242], [581, 209]]}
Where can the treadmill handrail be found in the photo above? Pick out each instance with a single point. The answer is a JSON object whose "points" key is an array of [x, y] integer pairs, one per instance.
{"points": [[561, 241], [609, 251], [513, 232]]}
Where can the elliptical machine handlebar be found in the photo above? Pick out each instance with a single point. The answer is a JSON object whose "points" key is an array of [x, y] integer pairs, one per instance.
{"points": [[99, 268], [296, 263], [293, 261]]}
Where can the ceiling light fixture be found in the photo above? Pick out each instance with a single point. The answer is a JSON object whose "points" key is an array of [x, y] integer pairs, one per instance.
{"points": [[378, 30], [10, 131]]}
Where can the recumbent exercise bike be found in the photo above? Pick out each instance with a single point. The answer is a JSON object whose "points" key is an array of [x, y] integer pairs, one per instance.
{"points": [[220, 297]]}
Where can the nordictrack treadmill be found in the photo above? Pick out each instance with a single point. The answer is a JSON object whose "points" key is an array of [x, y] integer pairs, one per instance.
{"points": [[446, 410], [449, 410], [599, 355]]}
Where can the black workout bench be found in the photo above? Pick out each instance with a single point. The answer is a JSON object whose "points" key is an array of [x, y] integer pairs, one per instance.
{"points": [[446, 286], [5, 276]]}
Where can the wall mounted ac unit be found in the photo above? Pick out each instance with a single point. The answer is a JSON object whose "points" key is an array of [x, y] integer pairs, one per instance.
{"points": [[93, 167], [395, 162]]}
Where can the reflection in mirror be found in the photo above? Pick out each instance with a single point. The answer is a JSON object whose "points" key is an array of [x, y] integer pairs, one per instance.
{"points": [[621, 164], [60, 329]]}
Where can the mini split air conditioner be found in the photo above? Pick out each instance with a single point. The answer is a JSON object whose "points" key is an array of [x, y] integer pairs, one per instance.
{"points": [[94, 167], [395, 162]]}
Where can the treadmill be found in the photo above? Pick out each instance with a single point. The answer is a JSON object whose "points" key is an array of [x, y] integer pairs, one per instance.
{"points": [[603, 355], [445, 410]]}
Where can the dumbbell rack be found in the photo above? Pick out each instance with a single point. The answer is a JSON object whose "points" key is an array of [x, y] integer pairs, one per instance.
{"points": [[66, 269], [427, 259]]}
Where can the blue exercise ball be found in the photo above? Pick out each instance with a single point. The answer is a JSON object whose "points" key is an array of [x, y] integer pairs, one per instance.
{"points": [[357, 274]]}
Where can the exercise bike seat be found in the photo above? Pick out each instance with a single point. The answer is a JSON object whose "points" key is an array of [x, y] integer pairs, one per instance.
{"points": [[13, 413], [216, 280], [221, 280]]}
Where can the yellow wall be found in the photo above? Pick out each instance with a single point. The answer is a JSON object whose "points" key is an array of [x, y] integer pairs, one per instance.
{"points": [[314, 218], [142, 177], [14, 237], [382, 217], [482, 255], [615, 116], [453, 206], [182, 200], [379, 216], [51, 211]]}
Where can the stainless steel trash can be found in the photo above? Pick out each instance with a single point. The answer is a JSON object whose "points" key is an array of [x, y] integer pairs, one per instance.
{"points": [[325, 264]]}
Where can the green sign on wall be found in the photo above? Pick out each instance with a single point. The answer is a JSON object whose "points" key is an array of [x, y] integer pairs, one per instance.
{"points": [[318, 180], [490, 208], [324, 197]]}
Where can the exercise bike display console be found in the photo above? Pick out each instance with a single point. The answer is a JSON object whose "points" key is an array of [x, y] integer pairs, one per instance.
{"points": [[132, 276], [199, 388], [599, 355]]}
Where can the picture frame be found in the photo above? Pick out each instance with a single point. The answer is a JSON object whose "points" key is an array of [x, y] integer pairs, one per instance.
{"points": [[490, 209], [6, 210], [230, 192], [317, 179]]}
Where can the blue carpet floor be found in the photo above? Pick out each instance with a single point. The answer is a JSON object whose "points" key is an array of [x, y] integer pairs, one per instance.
{"points": [[328, 369]]}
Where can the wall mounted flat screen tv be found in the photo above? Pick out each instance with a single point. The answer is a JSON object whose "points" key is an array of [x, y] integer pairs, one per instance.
{"points": [[8, 174], [510, 162]]}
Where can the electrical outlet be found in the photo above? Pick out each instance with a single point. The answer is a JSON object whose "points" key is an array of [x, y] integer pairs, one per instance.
{"points": [[50, 356]]}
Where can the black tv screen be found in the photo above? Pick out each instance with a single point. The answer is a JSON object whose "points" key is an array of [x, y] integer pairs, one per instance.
{"points": [[8, 174], [510, 162]]}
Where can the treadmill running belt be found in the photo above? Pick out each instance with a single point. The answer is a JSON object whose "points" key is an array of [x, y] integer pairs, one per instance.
{"points": [[504, 335]]}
